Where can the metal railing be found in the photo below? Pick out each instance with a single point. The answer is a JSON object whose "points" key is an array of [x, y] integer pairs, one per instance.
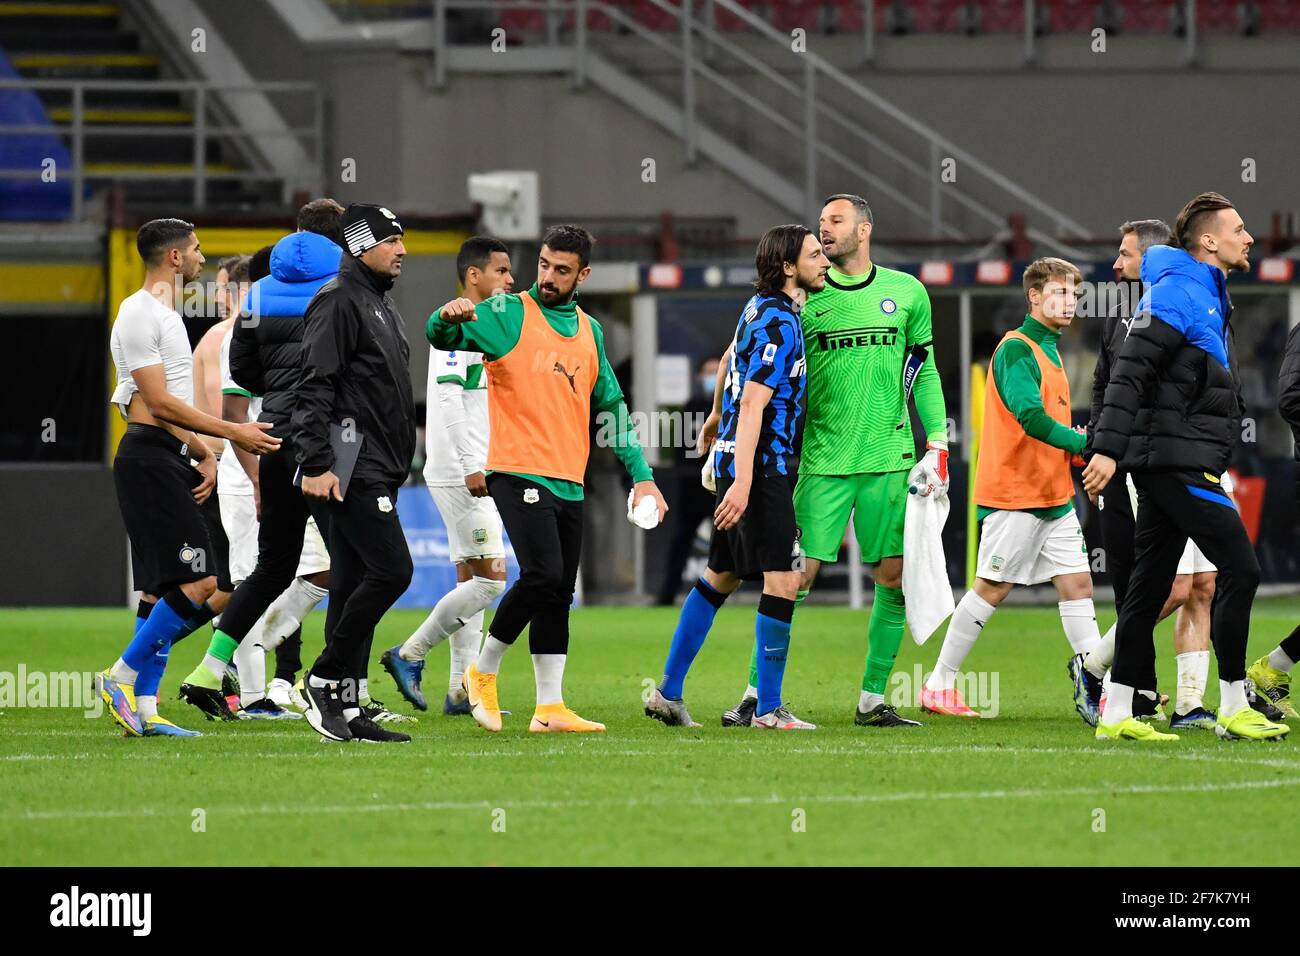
{"points": [[555, 12], [831, 139], [205, 125]]}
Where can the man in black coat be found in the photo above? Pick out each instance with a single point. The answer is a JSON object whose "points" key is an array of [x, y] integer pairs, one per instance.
{"points": [[354, 430], [1172, 413]]}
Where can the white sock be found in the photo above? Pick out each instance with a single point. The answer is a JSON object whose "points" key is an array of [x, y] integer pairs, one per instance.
{"points": [[214, 666], [424, 639], [489, 658], [250, 661], [146, 707], [289, 610], [1193, 674], [972, 613], [351, 713], [1278, 660], [123, 674], [1079, 619], [1119, 704], [450, 614], [751, 692], [1232, 697], [1098, 660], [464, 648], [869, 701], [548, 669]]}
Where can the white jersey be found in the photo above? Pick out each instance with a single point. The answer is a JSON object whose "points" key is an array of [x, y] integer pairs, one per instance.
{"points": [[145, 333], [455, 378], [231, 477]]}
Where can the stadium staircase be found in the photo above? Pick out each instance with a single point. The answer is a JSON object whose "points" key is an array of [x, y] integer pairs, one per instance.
{"points": [[141, 135], [791, 125]]}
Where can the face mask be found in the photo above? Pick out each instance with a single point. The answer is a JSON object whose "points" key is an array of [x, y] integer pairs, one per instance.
{"points": [[707, 383]]}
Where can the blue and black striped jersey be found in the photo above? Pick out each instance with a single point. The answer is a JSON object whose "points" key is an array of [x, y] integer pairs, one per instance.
{"points": [[767, 349]]}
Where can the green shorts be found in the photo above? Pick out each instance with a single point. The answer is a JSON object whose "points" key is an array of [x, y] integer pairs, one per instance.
{"points": [[877, 501]]}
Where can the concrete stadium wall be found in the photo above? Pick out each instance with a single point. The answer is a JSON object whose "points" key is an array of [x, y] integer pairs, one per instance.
{"points": [[64, 540], [1107, 137]]}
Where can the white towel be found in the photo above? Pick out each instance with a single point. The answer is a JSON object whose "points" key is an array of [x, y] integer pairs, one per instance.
{"points": [[926, 591], [707, 478], [646, 514]]}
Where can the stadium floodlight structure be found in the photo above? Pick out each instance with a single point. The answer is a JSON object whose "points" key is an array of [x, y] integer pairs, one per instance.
{"points": [[510, 201]]}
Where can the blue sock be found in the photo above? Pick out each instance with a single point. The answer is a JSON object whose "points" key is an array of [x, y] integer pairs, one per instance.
{"points": [[772, 639], [692, 628], [146, 685], [169, 618], [142, 612]]}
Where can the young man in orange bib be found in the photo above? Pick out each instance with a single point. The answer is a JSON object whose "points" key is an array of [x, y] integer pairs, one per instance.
{"points": [[1023, 490], [547, 372]]}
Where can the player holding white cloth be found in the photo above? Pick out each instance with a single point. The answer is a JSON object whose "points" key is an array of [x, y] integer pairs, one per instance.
{"points": [[456, 439]]}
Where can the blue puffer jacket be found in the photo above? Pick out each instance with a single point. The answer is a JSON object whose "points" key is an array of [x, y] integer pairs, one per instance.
{"points": [[1174, 398], [266, 346]]}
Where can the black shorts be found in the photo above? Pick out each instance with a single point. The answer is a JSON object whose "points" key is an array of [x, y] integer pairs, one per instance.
{"points": [[766, 538], [220, 563], [169, 537]]}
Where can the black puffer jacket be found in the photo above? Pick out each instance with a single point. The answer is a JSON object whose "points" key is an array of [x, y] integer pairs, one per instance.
{"points": [[266, 344], [1114, 328], [1174, 398], [356, 366]]}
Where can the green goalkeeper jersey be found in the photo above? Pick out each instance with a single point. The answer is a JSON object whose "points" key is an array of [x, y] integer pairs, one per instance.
{"points": [[857, 332]]}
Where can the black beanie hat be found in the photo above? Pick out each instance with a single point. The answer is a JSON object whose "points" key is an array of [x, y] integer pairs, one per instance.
{"points": [[365, 226]]}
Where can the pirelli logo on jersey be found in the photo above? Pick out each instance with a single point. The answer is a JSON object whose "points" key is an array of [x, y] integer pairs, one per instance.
{"points": [[865, 337]]}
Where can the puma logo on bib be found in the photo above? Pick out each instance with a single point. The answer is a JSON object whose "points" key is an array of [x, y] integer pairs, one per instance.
{"points": [[561, 369]]}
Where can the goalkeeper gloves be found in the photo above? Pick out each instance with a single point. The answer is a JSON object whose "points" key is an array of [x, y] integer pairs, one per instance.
{"points": [[930, 476]]}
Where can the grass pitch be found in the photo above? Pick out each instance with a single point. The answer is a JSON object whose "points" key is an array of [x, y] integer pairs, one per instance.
{"points": [[1028, 787]]}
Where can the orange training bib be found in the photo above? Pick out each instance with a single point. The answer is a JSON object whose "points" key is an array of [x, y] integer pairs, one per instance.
{"points": [[539, 399], [1016, 472]]}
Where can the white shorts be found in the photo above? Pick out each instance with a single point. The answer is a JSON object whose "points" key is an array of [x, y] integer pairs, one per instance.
{"points": [[1017, 548], [239, 518], [1193, 561], [473, 525]]}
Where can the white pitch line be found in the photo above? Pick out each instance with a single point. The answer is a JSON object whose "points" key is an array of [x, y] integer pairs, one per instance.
{"points": [[768, 800], [330, 752]]}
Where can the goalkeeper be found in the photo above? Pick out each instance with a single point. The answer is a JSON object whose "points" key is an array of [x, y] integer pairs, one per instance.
{"points": [[858, 455]]}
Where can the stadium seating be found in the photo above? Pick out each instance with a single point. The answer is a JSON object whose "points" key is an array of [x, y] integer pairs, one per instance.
{"points": [[1142, 16], [1278, 15], [60, 40], [30, 200], [901, 17]]}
